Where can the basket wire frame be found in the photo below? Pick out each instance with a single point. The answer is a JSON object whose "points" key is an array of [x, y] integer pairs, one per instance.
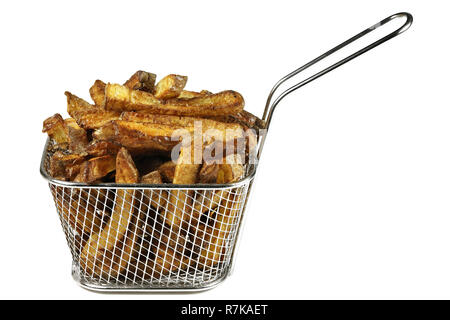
{"points": [[148, 252]]}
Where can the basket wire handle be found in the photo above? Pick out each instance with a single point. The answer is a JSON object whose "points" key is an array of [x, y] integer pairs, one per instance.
{"points": [[270, 108]]}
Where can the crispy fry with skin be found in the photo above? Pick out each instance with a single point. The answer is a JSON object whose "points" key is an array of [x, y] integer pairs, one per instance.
{"points": [[185, 94], [56, 129], [102, 148], [87, 115], [96, 119], [167, 171], [166, 261], [153, 177], [180, 201], [141, 80], [138, 137], [79, 213], [65, 166], [76, 104], [230, 170], [207, 124], [96, 168], [210, 241], [214, 247], [78, 138], [170, 86], [156, 198], [109, 251], [121, 98], [244, 118], [97, 92]]}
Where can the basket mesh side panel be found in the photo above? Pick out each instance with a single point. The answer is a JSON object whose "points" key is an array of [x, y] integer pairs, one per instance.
{"points": [[150, 238]]}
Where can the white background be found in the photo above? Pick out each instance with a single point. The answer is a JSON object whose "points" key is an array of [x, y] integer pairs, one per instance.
{"points": [[352, 195]]}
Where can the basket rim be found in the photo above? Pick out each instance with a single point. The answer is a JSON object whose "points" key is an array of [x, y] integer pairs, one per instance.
{"points": [[111, 185]]}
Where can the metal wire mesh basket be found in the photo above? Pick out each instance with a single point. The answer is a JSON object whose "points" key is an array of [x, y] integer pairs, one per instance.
{"points": [[140, 251]]}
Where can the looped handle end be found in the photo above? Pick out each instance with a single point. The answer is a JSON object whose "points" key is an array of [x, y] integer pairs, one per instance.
{"points": [[270, 107]]}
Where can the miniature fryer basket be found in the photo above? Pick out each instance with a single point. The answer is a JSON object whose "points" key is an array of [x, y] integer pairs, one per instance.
{"points": [[153, 256]]}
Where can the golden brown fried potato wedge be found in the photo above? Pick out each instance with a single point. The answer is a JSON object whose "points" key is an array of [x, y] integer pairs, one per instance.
{"points": [[186, 171], [86, 115], [179, 121], [65, 166], [138, 137], [156, 198], [244, 118], [96, 119], [167, 171], [121, 98], [166, 261], [56, 129], [109, 251], [126, 171], [208, 173], [230, 170], [211, 241], [185, 94], [78, 211], [141, 80], [102, 148], [97, 92], [153, 177], [96, 168], [170, 86], [78, 138], [76, 104]]}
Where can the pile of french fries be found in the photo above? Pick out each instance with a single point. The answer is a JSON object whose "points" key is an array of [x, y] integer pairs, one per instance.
{"points": [[130, 134]]}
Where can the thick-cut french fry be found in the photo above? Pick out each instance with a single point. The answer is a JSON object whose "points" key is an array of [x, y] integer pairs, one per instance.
{"points": [[78, 210], [156, 198], [214, 247], [138, 137], [185, 94], [231, 170], [102, 148], [153, 177], [212, 250], [167, 171], [170, 86], [96, 119], [78, 138], [179, 206], [96, 168], [180, 121], [65, 166], [208, 173], [121, 98], [87, 115], [244, 118], [56, 129], [76, 104], [109, 251], [97, 92], [141, 80], [165, 262]]}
